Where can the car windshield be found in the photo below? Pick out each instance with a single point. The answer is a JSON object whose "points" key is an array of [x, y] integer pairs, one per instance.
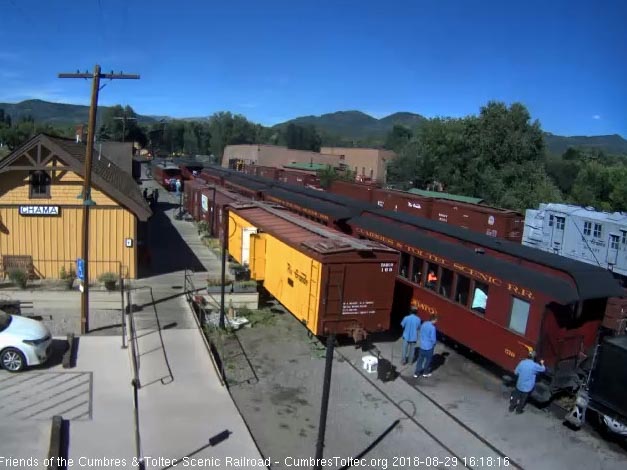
{"points": [[5, 320]]}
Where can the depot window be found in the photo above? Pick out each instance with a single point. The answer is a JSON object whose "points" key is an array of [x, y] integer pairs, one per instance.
{"points": [[519, 315], [432, 276], [614, 242], [403, 267], [598, 230], [39, 184], [479, 297], [446, 284], [624, 238], [462, 289], [587, 228], [416, 274]]}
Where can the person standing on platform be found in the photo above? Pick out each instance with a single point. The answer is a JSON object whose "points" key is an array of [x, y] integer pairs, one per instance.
{"points": [[526, 370], [411, 325], [428, 339]]}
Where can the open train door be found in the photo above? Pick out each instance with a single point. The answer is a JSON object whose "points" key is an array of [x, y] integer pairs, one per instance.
{"points": [[401, 304]]}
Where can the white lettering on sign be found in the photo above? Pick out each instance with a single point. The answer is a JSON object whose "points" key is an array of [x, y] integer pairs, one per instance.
{"points": [[415, 205], [380, 203], [491, 220], [39, 210], [387, 267], [359, 307]]}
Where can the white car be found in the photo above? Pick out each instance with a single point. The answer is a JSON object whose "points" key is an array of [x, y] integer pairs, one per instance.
{"points": [[23, 342]]}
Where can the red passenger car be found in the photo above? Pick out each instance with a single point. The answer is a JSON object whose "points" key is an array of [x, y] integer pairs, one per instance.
{"points": [[164, 173], [497, 305]]}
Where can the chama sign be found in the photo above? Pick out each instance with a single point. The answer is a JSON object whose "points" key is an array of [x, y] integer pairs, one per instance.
{"points": [[39, 210]]}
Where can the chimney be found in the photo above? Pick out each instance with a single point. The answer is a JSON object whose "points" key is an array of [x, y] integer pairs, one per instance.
{"points": [[80, 133]]}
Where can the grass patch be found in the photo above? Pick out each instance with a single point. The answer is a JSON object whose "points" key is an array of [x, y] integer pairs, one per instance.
{"points": [[212, 243], [263, 317]]}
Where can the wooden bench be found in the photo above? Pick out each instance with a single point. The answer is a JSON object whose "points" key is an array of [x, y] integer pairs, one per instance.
{"points": [[17, 262]]}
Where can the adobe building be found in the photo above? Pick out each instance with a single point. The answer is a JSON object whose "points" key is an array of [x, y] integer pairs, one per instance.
{"points": [[368, 164], [273, 156], [41, 210]]}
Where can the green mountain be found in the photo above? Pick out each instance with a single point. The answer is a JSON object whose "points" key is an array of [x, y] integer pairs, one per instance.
{"points": [[355, 124], [348, 125], [613, 144], [59, 114]]}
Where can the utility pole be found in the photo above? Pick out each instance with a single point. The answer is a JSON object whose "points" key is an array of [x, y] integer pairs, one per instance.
{"points": [[324, 406], [124, 119], [86, 194]]}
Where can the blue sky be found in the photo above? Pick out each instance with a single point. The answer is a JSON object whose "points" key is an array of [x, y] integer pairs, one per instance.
{"points": [[275, 60]]}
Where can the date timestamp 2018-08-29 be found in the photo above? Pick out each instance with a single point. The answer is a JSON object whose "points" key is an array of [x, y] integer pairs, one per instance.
{"points": [[417, 461]]}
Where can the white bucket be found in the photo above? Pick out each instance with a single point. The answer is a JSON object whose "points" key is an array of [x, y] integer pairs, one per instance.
{"points": [[370, 364]]}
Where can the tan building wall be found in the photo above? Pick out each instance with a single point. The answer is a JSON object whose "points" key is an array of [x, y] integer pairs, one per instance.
{"points": [[54, 241], [369, 163], [274, 156]]}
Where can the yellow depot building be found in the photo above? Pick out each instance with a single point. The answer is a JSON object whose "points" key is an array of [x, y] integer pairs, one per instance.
{"points": [[41, 211]]}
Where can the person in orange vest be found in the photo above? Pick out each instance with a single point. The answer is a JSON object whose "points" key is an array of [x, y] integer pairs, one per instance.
{"points": [[432, 279]]}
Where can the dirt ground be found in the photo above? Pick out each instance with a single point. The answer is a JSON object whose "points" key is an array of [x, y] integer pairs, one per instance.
{"points": [[275, 372]]}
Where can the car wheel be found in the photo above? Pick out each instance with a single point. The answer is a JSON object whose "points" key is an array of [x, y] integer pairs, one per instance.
{"points": [[12, 360]]}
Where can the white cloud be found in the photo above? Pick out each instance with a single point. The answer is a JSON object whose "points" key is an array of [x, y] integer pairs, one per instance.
{"points": [[596, 117]]}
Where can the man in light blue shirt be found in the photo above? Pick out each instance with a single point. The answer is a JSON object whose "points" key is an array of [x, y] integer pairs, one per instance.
{"points": [[427, 345], [526, 370], [411, 325]]}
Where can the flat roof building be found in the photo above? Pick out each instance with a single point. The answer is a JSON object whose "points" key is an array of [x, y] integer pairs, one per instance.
{"points": [[368, 164], [273, 156]]}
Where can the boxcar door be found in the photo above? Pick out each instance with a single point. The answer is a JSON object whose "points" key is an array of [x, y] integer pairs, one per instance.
{"points": [[334, 290], [246, 233]]}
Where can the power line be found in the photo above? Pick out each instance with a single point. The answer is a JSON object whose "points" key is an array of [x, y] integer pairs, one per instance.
{"points": [[96, 76]]}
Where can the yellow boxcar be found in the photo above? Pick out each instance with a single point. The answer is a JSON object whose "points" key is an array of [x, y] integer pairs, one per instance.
{"points": [[331, 282]]}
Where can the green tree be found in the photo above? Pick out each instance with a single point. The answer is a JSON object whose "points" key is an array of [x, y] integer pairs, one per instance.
{"points": [[592, 187], [302, 137], [397, 138], [618, 193]]}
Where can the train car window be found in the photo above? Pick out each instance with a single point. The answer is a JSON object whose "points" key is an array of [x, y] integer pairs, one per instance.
{"points": [[559, 223], [551, 221], [624, 238], [519, 315], [416, 274], [598, 230], [587, 228], [480, 297], [614, 242], [446, 284], [462, 290], [403, 267], [432, 276]]}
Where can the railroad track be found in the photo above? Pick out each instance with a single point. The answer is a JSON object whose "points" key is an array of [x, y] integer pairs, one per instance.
{"points": [[489, 456]]}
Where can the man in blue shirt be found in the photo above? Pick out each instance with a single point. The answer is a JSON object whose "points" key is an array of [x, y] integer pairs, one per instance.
{"points": [[411, 325], [427, 345], [526, 370]]}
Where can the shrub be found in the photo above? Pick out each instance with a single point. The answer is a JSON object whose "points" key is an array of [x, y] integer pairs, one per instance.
{"points": [[203, 227], [67, 276], [19, 277], [108, 277], [216, 281]]}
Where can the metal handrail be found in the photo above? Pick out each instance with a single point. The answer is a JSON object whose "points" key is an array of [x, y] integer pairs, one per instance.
{"points": [[134, 337], [189, 296]]}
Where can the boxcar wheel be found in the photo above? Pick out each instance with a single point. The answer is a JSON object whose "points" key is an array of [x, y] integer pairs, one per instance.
{"points": [[12, 360]]}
